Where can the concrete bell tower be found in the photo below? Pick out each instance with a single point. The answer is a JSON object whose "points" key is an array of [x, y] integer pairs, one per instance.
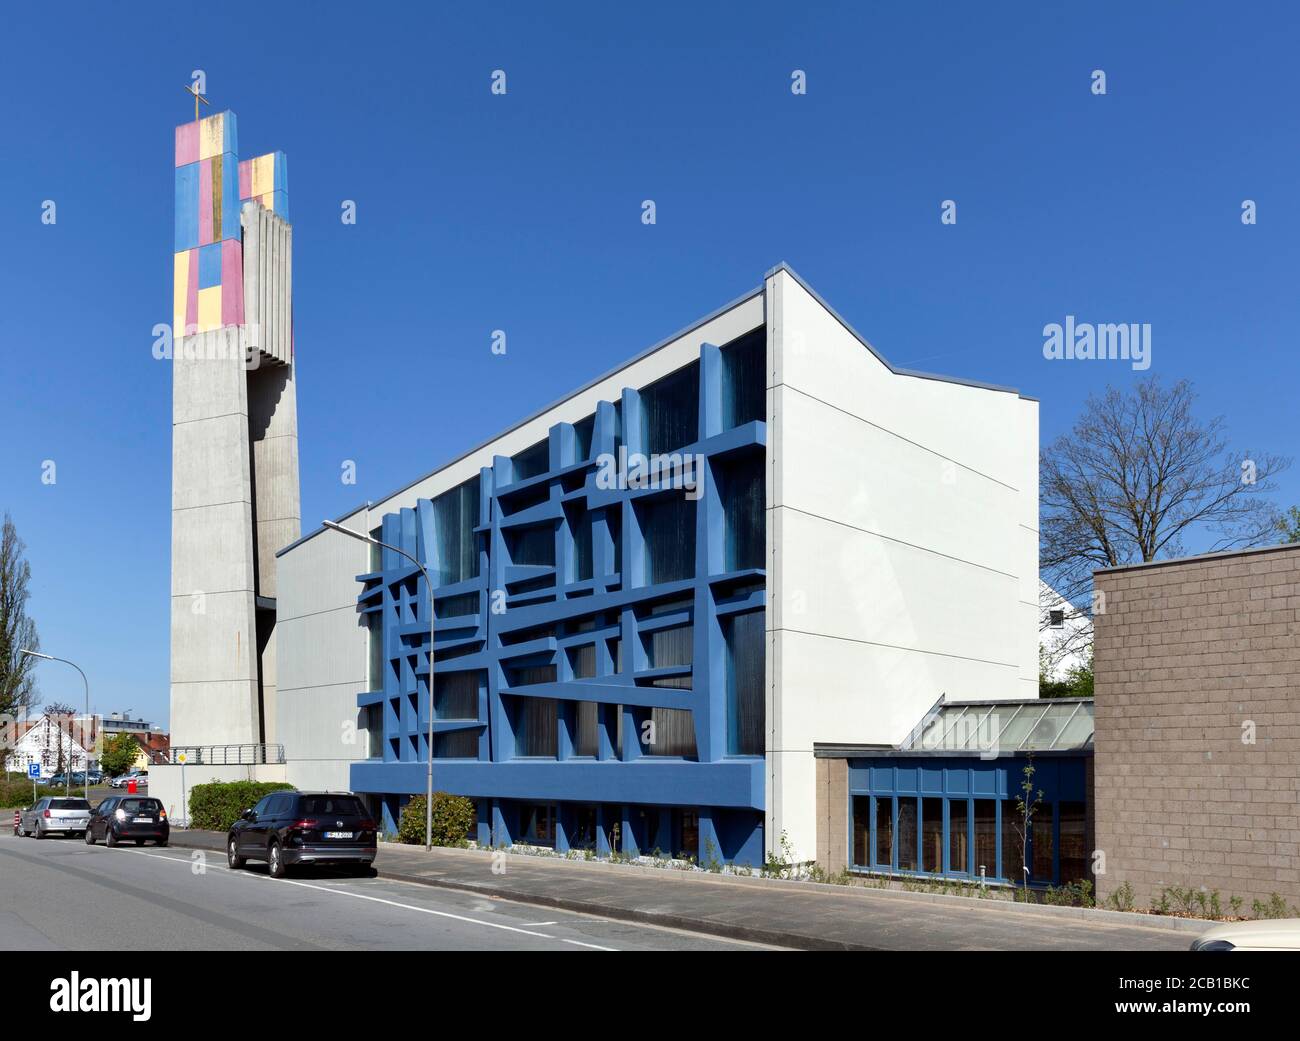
{"points": [[235, 497]]}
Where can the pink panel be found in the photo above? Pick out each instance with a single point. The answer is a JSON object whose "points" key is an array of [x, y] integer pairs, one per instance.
{"points": [[232, 282], [187, 144], [245, 179], [205, 202], [192, 293]]}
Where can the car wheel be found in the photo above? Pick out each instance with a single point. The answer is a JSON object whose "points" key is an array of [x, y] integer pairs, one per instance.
{"points": [[39, 833], [274, 861], [364, 870], [232, 856], [162, 842], [89, 836], [110, 838]]}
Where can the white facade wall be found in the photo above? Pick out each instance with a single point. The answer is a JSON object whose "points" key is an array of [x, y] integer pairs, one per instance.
{"points": [[902, 547]]}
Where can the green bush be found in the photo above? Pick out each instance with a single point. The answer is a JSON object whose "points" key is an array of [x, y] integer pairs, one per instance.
{"points": [[453, 817], [218, 804], [17, 793]]}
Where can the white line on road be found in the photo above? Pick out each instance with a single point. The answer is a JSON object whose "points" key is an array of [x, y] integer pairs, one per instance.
{"points": [[381, 900]]}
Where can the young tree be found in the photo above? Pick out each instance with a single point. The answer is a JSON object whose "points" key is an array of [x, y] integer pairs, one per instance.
{"points": [[1139, 475], [1288, 525], [1027, 804], [118, 753], [17, 630]]}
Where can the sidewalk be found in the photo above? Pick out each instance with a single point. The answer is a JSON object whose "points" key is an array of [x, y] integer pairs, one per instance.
{"points": [[801, 915]]}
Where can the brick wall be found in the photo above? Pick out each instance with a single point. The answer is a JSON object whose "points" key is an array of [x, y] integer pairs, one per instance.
{"points": [[1190, 655]]}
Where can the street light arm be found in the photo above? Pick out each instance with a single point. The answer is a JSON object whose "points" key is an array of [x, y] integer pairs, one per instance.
{"points": [[85, 683]]}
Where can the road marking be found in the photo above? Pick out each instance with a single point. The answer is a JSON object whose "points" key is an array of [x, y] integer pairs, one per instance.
{"points": [[381, 900]]}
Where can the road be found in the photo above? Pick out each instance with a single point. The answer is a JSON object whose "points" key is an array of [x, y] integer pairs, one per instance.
{"points": [[61, 894]]}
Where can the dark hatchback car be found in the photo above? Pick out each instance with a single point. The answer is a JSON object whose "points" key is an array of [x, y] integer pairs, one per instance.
{"points": [[134, 817], [289, 828]]}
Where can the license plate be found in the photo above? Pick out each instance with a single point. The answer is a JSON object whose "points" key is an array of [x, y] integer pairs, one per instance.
{"points": [[144, 820], [338, 834]]}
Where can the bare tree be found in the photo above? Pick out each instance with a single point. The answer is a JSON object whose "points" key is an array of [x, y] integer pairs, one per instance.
{"points": [[17, 630], [1137, 477]]}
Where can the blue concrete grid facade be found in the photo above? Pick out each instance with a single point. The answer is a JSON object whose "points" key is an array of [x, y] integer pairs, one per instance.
{"points": [[951, 816], [564, 592]]}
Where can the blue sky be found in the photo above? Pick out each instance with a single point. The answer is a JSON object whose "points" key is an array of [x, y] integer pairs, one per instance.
{"points": [[477, 212]]}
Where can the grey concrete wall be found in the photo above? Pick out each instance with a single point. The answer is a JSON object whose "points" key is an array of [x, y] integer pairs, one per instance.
{"points": [[213, 632]]}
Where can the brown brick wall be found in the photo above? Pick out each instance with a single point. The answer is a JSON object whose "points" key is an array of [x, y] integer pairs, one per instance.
{"points": [[832, 814], [1187, 654]]}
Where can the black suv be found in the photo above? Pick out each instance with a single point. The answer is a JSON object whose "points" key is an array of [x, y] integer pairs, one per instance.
{"points": [[135, 817], [288, 828]]}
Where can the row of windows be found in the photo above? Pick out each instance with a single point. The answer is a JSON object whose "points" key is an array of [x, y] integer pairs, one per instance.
{"points": [[908, 834]]}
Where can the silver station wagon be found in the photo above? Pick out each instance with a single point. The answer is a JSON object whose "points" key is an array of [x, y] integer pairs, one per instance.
{"points": [[55, 814]]}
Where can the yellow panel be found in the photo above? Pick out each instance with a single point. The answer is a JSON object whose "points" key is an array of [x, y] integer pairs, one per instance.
{"points": [[268, 200], [209, 308], [212, 136], [180, 287], [263, 174]]}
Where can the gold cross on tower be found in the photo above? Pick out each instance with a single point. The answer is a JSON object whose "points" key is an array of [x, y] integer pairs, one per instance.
{"points": [[193, 89]]}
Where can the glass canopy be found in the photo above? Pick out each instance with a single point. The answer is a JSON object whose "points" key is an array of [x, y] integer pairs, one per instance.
{"points": [[1003, 727]]}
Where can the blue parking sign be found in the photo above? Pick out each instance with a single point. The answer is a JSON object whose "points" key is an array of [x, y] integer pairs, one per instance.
{"points": [[34, 771]]}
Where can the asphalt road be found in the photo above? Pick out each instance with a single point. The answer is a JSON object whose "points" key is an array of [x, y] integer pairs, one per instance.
{"points": [[61, 894]]}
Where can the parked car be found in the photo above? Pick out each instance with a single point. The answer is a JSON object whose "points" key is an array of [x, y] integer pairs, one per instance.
{"points": [[96, 777], [133, 817], [141, 778], [290, 828], [59, 780], [52, 814], [1267, 934]]}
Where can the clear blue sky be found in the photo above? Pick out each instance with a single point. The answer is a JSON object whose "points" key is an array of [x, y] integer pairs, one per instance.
{"points": [[522, 213]]}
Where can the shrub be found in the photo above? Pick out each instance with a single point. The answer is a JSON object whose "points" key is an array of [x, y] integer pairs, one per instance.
{"points": [[453, 817], [218, 804], [15, 794]]}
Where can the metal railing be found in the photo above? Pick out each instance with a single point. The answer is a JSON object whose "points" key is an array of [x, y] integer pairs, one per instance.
{"points": [[226, 755]]}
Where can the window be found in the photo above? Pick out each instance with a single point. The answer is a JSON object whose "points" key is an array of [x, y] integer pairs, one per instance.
{"points": [[582, 660], [744, 396], [958, 838], [375, 647], [532, 546], [686, 829], [986, 837], [326, 804], [1074, 842], [458, 606], [586, 729], [1013, 846], [746, 709], [861, 831], [673, 733], [530, 675], [580, 560], [535, 727], [668, 531], [670, 411], [672, 647], [537, 824], [1043, 846], [884, 833], [455, 515], [456, 744], [531, 462], [1056, 619], [906, 834], [742, 510], [374, 731], [932, 835], [584, 828], [456, 695], [583, 431]]}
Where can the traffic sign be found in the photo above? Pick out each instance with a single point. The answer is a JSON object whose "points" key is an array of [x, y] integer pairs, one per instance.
{"points": [[181, 757], [34, 771]]}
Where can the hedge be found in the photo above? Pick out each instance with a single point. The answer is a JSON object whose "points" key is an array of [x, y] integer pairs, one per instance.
{"points": [[217, 805], [453, 816], [18, 793]]}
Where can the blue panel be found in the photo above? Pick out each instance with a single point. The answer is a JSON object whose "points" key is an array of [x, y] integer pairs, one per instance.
{"points": [[187, 207], [210, 265], [906, 778], [931, 780], [957, 781], [882, 778]]}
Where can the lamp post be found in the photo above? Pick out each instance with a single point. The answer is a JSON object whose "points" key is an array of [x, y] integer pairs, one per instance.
{"points": [[86, 683], [428, 798]]}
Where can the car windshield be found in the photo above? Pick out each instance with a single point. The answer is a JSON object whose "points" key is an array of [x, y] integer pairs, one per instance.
{"points": [[349, 804], [69, 804], [141, 805]]}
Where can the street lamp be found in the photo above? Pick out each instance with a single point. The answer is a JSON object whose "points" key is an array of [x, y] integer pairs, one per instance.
{"points": [[428, 796], [86, 683]]}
